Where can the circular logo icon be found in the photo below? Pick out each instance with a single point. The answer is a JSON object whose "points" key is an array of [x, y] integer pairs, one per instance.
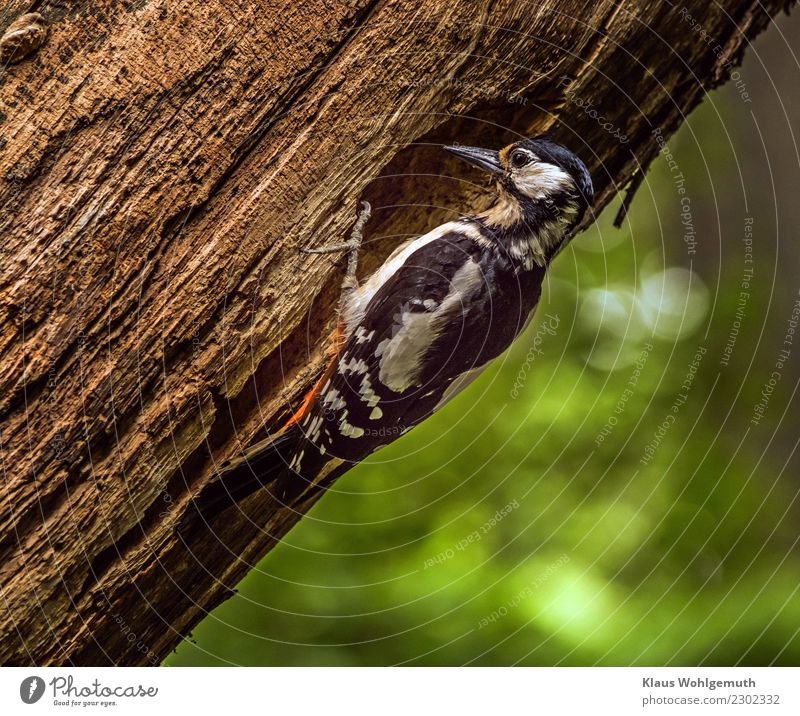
{"points": [[31, 689]]}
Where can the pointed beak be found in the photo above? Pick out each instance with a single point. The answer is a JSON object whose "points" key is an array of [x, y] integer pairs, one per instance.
{"points": [[486, 159]]}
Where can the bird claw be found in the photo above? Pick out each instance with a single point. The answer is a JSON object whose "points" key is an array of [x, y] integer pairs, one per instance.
{"points": [[355, 237]]}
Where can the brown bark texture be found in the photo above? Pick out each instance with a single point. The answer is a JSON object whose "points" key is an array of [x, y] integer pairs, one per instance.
{"points": [[160, 165]]}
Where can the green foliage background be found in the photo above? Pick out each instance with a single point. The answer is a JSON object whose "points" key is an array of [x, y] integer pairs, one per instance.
{"points": [[506, 531]]}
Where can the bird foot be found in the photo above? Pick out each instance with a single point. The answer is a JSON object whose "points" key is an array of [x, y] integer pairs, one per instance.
{"points": [[352, 247]]}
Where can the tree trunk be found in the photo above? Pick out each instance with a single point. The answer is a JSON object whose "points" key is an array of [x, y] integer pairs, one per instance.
{"points": [[161, 163]]}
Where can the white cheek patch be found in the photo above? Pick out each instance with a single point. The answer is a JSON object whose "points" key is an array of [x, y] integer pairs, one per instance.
{"points": [[540, 180]]}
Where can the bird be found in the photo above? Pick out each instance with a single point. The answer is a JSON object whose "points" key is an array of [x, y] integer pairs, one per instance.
{"points": [[419, 329]]}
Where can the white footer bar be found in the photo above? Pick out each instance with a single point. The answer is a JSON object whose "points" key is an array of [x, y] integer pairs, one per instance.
{"points": [[386, 692]]}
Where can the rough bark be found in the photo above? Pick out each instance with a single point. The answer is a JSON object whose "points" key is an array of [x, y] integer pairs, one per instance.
{"points": [[160, 163]]}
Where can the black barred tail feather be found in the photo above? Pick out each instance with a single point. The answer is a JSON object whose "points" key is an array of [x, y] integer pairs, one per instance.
{"points": [[266, 464]]}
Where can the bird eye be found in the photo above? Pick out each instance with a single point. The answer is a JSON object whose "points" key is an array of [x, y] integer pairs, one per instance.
{"points": [[520, 159]]}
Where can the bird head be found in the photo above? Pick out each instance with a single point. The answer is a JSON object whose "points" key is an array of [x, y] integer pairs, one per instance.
{"points": [[537, 178]]}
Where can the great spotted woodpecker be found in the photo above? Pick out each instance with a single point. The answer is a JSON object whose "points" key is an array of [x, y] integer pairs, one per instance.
{"points": [[423, 326]]}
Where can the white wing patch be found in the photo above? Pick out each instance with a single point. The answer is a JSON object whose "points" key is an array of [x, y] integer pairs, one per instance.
{"points": [[360, 298], [542, 179], [349, 430], [401, 355], [352, 365], [362, 336], [332, 399], [368, 394]]}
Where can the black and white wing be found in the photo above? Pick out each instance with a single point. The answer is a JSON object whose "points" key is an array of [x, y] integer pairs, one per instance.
{"points": [[417, 332]]}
